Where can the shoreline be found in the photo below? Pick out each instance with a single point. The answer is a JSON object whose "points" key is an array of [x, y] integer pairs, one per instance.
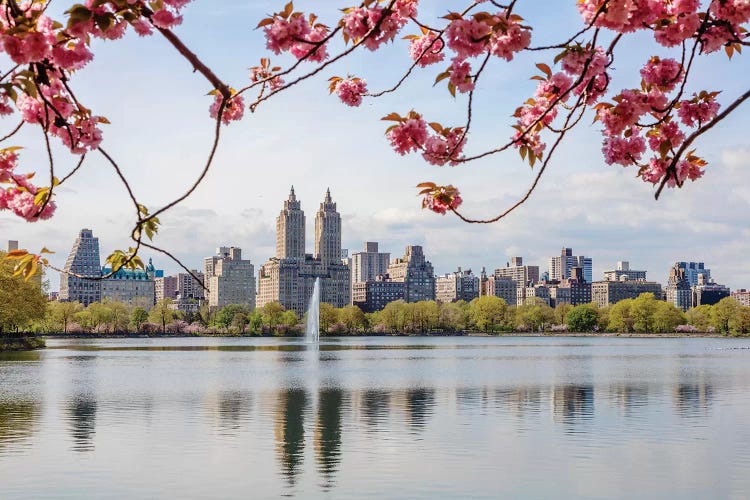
{"points": [[120, 336]]}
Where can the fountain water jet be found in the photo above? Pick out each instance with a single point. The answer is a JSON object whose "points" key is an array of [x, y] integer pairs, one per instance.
{"points": [[312, 331]]}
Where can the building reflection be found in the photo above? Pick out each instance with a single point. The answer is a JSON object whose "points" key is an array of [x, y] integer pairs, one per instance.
{"points": [[629, 397], [233, 409], [289, 432], [375, 404], [18, 421], [694, 399], [419, 405], [573, 403], [327, 439], [82, 421]]}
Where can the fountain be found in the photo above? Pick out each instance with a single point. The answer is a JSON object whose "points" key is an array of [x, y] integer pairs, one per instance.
{"points": [[312, 331]]}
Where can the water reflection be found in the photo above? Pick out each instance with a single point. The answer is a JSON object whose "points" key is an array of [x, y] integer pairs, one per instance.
{"points": [[82, 421], [573, 403], [419, 404], [693, 400], [375, 407], [234, 409], [290, 432], [328, 433], [18, 421]]}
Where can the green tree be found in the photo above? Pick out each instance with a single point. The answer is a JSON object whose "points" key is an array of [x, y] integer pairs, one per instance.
{"points": [[561, 313], [700, 317], [271, 314], [328, 316], [642, 312], [454, 316], [620, 319], [101, 316], [723, 312], [161, 313], [666, 317], [21, 301], [739, 324], [391, 318], [62, 313], [582, 318], [226, 314], [138, 316], [353, 318], [255, 321], [120, 316], [535, 314], [488, 312]]}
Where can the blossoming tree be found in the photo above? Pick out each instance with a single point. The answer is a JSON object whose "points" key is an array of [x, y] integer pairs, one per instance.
{"points": [[651, 128]]}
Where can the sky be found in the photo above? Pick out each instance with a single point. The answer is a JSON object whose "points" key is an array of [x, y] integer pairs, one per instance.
{"points": [[161, 133]]}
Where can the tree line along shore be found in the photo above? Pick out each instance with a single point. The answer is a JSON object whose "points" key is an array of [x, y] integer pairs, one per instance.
{"points": [[487, 315]]}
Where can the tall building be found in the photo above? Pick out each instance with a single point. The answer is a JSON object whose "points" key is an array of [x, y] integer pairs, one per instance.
{"points": [[742, 296], [290, 230], [455, 286], [12, 245], [560, 267], [165, 287], [708, 292], [368, 265], [328, 233], [188, 287], [83, 261], [693, 270], [605, 293], [623, 270], [678, 290], [524, 276], [289, 277], [230, 278], [504, 288], [416, 273]]}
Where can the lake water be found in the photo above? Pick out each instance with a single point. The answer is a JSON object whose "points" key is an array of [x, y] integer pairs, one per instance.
{"points": [[377, 418]]}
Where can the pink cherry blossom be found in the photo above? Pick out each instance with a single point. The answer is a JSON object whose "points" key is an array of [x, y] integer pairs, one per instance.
{"points": [[662, 73], [666, 132], [623, 150], [698, 111], [460, 76], [165, 19], [442, 149], [350, 91], [506, 43], [467, 37], [442, 199], [233, 110], [426, 49], [409, 135]]}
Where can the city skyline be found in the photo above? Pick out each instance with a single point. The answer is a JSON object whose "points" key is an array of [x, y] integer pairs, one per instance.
{"points": [[309, 138]]}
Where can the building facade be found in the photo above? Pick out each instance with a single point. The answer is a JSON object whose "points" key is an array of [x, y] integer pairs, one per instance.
{"points": [[742, 296], [289, 277], [368, 265], [623, 271], [504, 288], [230, 279], [83, 261], [374, 295], [678, 290], [165, 287], [134, 287], [455, 286], [524, 276], [707, 292], [693, 270], [604, 293], [560, 267], [416, 273]]}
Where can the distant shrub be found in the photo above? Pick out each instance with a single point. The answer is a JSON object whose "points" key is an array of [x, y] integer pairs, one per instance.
{"points": [[76, 329], [686, 329], [149, 328], [177, 326], [558, 328]]}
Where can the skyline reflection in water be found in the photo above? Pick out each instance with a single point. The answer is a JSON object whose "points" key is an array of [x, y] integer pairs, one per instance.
{"points": [[473, 418]]}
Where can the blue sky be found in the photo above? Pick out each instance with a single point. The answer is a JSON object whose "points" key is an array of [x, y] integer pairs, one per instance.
{"points": [[161, 132]]}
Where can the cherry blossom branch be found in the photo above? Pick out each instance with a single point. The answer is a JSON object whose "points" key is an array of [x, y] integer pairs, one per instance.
{"points": [[672, 169], [13, 132]]}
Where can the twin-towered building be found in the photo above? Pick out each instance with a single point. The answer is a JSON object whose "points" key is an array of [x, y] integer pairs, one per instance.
{"points": [[289, 277]]}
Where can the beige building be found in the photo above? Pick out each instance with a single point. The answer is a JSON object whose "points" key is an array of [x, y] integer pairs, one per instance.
{"points": [[368, 265], [416, 273], [504, 288], [455, 286], [623, 270], [230, 279], [604, 293], [165, 287], [131, 286], [289, 277], [742, 296], [524, 276]]}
